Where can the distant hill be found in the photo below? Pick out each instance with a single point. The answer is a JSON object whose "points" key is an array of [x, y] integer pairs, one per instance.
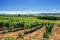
{"points": [[47, 14], [38, 14]]}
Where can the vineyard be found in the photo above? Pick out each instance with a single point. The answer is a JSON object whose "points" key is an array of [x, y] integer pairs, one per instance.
{"points": [[17, 23]]}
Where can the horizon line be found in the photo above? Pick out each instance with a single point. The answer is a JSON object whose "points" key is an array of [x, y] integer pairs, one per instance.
{"points": [[26, 12]]}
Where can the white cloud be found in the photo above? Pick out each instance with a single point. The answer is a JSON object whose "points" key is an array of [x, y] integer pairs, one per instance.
{"points": [[56, 10], [18, 12], [30, 12]]}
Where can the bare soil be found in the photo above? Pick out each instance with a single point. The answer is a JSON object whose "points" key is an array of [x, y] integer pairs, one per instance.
{"points": [[35, 35], [55, 34]]}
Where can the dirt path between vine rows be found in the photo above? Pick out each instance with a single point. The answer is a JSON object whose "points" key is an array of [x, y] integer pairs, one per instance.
{"points": [[36, 35], [55, 34]]}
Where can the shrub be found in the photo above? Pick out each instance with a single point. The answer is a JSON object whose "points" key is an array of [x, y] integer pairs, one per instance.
{"points": [[48, 28], [9, 38], [7, 25], [20, 24], [20, 34], [1, 24]]}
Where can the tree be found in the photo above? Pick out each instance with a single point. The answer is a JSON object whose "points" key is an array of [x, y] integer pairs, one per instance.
{"points": [[19, 14]]}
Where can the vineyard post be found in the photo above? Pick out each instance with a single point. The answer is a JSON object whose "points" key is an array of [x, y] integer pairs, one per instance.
{"points": [[24, 28], [23, 25]]}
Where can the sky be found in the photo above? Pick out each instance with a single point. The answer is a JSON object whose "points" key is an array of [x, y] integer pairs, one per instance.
{"points": [[30, 6]]}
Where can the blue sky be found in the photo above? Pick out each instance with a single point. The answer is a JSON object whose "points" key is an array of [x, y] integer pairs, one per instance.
{"points": [[30, 5]]}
